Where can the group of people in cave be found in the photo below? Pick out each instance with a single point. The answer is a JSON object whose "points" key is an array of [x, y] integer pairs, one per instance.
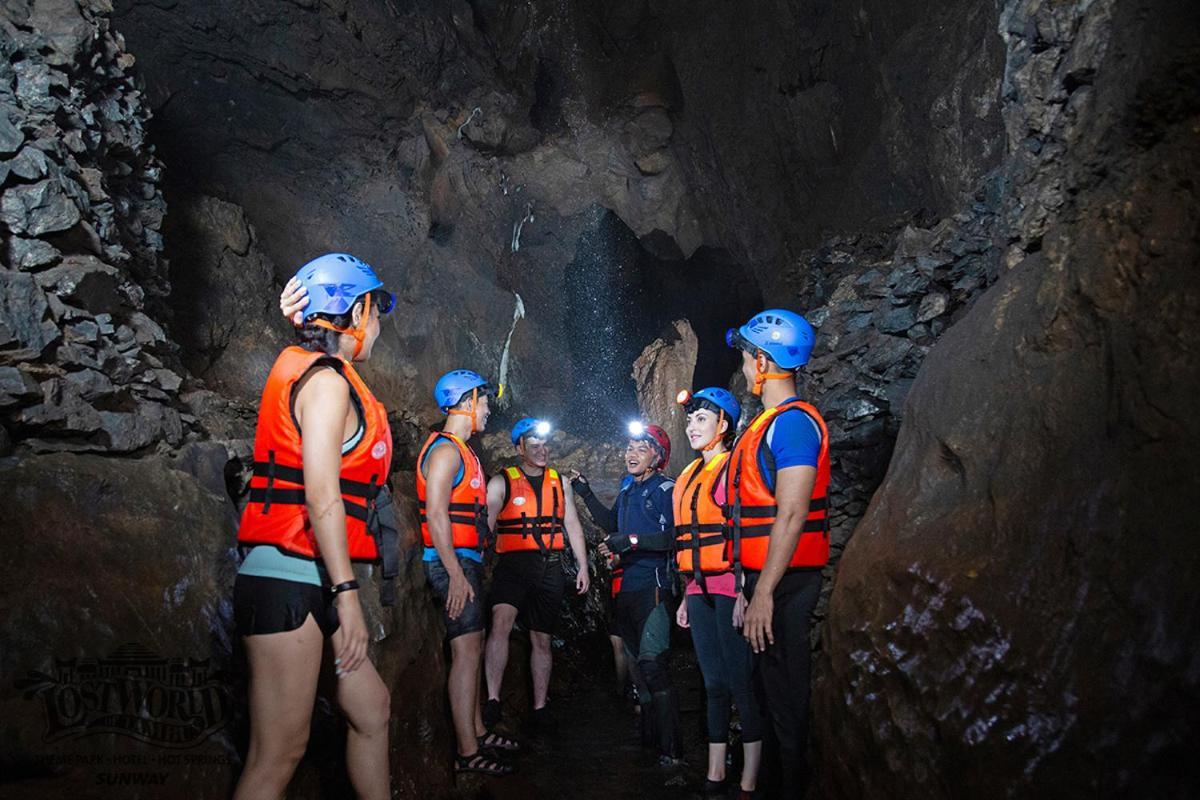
{"points": [[731, 549]]}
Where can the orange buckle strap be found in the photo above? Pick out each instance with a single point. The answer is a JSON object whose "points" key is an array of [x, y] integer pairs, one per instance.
{"points": [[471, 413], [359, 331], [761, 375]]}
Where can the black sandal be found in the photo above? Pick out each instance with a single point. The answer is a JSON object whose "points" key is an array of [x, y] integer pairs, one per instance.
{"points": [[494, 741], [478, 762]]}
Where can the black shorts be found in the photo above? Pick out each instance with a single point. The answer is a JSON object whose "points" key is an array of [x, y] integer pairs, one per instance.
{"points": [[273, 605], [533, 584], [470, 619]]}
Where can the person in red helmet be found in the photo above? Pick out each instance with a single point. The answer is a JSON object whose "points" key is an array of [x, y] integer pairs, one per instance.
{"points": [[641, 531]]}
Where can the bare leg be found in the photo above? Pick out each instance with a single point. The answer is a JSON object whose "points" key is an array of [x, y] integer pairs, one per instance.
{"points": [[496, 656], [464, 689], [367, 705], [541, 661], [283, 685], [716, 761], [752, 758]]}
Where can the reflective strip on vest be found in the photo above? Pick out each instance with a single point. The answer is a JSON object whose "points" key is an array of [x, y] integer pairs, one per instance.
{"points": [[527, 521]]}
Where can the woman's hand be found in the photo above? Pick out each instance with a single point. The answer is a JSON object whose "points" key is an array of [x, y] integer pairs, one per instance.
{"points": [[459, 595], [350, 639], [604, 550], [292, 301], [739, 610], [681, 618]]}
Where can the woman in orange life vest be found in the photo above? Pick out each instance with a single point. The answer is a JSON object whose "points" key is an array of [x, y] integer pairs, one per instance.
{"points": [[322, 450], [714, 605]]}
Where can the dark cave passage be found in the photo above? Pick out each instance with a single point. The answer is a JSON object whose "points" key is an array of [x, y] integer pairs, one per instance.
{"points": [[986, 210]]}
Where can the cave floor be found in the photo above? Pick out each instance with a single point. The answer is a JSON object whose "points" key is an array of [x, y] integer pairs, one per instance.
{"points": [[596, 752]]}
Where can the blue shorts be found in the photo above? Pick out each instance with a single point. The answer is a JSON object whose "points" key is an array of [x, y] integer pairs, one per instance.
{"points": [[470, 619]]}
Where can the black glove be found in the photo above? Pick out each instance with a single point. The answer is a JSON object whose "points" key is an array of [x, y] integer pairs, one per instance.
{"points": [[581, 486], [619, 543]]}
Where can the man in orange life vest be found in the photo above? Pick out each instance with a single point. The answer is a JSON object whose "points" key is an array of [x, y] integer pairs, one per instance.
{"points": [[778, 482], [530, 507], [452, 501]]}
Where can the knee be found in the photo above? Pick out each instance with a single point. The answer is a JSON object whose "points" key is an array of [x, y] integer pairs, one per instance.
{"points": [[372, 719], [655, 674], [716, 689], [273, 760], [502, 622], [540, 643], [465, 649]]}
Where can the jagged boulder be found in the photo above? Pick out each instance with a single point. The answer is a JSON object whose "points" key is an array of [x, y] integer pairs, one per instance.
{"points": [[1015, 616], [664, 368]]}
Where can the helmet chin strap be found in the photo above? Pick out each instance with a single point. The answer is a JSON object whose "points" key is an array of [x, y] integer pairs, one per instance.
{"points": [[471, 413], [761, 375], [716, 440], [359, 331]]}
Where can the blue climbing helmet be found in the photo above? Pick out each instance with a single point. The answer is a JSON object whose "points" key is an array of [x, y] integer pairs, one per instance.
{"points": [[530, 426], [335, 280], [715, 399], [456, 384], [785, 336]]}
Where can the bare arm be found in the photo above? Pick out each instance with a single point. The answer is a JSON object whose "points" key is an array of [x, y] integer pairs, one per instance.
{"points": [[575, 537], [322, 404], [793, 491], [495, 499]]}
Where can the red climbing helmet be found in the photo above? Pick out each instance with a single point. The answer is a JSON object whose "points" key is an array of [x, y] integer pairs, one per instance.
{"points": [[656, 436]]}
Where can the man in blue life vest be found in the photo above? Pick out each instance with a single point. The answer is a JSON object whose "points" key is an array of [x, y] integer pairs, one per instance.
{"points": [[777, 490], [641, 530], [531, 509]]}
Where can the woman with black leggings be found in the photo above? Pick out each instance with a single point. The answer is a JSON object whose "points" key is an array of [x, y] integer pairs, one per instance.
{"points": [[714, 607]]}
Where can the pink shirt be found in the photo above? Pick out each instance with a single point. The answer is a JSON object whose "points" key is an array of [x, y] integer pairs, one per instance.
{"points": [[722, 584]]}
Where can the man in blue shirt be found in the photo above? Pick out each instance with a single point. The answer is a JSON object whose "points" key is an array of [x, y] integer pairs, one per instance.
{"points": [[778, 483], [641, 531]]}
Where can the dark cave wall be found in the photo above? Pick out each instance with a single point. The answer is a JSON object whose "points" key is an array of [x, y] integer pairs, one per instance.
{"points": [[1014, 616]]}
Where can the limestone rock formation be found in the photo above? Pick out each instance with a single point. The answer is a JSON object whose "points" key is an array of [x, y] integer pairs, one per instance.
{"points": [[664, 368]]}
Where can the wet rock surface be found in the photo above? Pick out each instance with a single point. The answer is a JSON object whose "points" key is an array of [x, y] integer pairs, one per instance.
{"points": [[999, 610]]}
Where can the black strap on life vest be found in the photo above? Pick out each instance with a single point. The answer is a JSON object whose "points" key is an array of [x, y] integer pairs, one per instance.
{"points": [[697, 573], [736, 527]]}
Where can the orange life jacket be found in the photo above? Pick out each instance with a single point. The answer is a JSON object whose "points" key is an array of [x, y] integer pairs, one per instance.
{"points": [[468, 498], [617, 574], [700, 521], [277, 514], [529, 522], [752, 503]]}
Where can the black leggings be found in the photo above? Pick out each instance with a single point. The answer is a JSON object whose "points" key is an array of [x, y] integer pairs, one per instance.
{"points": [[782, 677], [727, 666]]}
